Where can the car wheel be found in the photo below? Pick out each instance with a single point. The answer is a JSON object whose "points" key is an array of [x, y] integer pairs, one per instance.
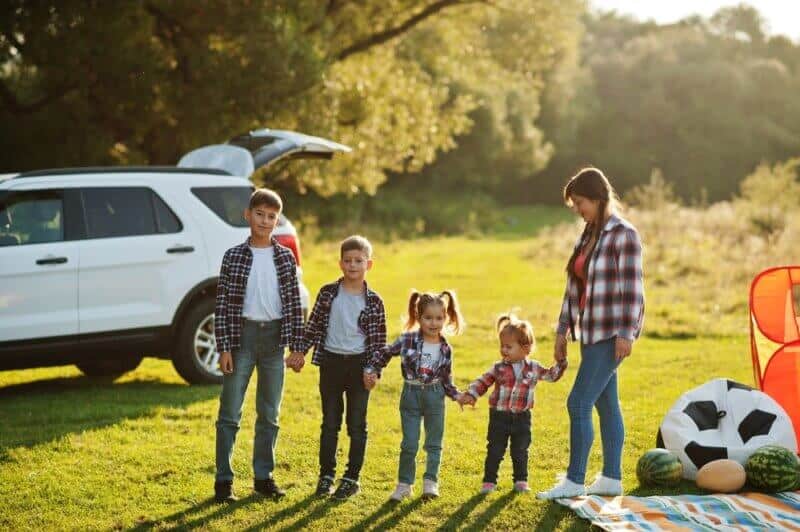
{"points": [[110, 368], [195, 356]]}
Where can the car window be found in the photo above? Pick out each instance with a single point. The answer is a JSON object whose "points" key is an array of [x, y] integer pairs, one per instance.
{"points": [[32, 217], [228, 203], [166, 220], [119, 211]]}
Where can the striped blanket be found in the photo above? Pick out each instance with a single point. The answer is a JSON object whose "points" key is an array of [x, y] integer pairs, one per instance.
{"points": [[743, 511]]}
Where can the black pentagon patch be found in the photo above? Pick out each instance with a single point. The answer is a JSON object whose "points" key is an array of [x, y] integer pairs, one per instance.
{"points": [[660, 440], [756, 423], [703, 413], [700, 455], [738, 385]]}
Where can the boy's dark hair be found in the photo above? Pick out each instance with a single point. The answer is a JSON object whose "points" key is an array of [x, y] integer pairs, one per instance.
{"points": [[265, 197], [356, 242]]}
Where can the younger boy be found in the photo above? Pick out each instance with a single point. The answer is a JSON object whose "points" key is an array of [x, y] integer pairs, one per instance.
{"points": [[348, 323], [514, 379], [257, 315]]}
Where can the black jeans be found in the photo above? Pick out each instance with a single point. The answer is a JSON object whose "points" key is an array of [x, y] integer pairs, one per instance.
{"points": [[502, 427], [340, 377]]}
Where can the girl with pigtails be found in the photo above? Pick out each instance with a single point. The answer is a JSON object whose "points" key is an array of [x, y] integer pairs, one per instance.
{"points": [[426, 362]]}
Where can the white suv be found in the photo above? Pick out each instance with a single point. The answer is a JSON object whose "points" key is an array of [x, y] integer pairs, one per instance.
{"points": [[102, 266]]}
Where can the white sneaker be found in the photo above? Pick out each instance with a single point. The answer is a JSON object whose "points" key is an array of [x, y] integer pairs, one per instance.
{"points": [[603, 485], [430, 489], [402, 491], [565, 489]]}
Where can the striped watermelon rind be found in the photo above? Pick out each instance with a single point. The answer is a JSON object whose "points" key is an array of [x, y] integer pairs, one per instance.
{"points": [[659, 467], [773, 468]]}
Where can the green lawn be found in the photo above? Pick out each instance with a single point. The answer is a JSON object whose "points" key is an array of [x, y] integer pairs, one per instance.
{"points": [[81, 454]]}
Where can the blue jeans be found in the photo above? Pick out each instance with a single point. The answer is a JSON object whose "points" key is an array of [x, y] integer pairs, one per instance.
{"points": [[421, 404], [595, 386], [260, 348]]}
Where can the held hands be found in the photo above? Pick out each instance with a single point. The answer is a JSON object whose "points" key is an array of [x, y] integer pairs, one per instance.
{"points": [[465, 399], [370, 380], [296, 360], [560, 350], [226, 362], [622, 349]]}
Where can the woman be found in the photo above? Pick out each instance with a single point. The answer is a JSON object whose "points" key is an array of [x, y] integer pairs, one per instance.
{"points": [[604, 301]]}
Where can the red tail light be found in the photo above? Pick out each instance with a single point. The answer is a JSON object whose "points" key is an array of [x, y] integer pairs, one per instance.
{"points": [[290, 241]]}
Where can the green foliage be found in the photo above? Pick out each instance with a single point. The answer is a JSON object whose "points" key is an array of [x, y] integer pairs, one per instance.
{"points": [[399, 80], [770, 196], [702, 100]]}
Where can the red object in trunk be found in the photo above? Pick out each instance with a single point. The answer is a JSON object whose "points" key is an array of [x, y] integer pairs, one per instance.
{"points": [[290, 241]]}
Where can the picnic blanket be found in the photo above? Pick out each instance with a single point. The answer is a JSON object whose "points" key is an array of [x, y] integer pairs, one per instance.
{"points": [[743, 511]]}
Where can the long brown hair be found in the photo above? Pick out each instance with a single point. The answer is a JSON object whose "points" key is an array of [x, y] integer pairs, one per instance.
{"points": [[419, 301], [591, 184]]}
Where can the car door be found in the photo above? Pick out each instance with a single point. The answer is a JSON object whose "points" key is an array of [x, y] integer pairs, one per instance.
{"points": [[39, 261], [139, 259]]}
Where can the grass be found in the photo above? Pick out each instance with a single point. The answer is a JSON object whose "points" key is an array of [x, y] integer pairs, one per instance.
{"points": [[77, 453]]}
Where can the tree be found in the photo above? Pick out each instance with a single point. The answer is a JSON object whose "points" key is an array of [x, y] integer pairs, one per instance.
{"points": [[97, 82]]}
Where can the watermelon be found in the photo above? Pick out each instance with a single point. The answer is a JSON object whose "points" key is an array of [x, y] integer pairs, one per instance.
{"points": [[772, 468], [659, 467]]}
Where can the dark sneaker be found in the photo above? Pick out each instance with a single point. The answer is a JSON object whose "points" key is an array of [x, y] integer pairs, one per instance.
{"points": [[324, 487], [267, 488], [223, 492], [347, 488]]}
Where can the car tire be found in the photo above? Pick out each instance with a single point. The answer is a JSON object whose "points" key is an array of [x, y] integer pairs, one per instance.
{"points": [[112, 368], [195, 355]]}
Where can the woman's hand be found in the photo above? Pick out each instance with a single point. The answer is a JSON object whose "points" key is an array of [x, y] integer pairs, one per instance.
{"points": [[560, 349], [370, 380], [622, 349]]}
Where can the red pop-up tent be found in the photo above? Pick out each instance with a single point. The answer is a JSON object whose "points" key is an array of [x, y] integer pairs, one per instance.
{"points": [[775, 337]]}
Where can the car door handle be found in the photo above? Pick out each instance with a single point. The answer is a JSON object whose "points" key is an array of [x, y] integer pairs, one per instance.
{"points": [[181, 249], [51, 260]]}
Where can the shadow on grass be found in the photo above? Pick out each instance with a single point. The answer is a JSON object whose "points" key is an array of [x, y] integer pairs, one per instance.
{"points": [[46, 410], [179, 519], [484, 519], [555, 514], [400, 511], [461, 514]]}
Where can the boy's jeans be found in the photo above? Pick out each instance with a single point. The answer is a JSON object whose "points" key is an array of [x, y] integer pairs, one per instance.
{"points": [[421, 403], [260, 348], [502, 427], [340, 378]]}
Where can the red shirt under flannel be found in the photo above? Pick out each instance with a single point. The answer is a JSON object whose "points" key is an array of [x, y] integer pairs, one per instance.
{"points": [[614, 288], [511, 394]]}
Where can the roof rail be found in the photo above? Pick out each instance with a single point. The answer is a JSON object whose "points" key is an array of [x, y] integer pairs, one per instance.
{"points": [[121, 170]]}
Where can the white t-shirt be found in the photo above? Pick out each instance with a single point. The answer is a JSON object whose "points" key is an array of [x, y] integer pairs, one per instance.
{"points": [[518, 365], [262, 296], [344, 335], [431, 353]]}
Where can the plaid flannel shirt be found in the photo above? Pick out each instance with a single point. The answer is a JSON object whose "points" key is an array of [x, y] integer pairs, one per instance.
{"points": [[233, 273], [614, 287], [409, 347], [511, 394], [371, 321]]}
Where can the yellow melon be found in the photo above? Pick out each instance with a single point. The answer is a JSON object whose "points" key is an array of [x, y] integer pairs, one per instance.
{"points": [[721, 476]]}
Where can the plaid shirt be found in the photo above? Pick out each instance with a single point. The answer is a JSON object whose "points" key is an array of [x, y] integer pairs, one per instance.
{"points": [[409, 347], [510, 394], [614, 287], [371, 321], [236, 264]]}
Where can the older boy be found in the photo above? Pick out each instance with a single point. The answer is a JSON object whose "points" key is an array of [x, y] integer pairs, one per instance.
{"points": [[257, 314]]}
